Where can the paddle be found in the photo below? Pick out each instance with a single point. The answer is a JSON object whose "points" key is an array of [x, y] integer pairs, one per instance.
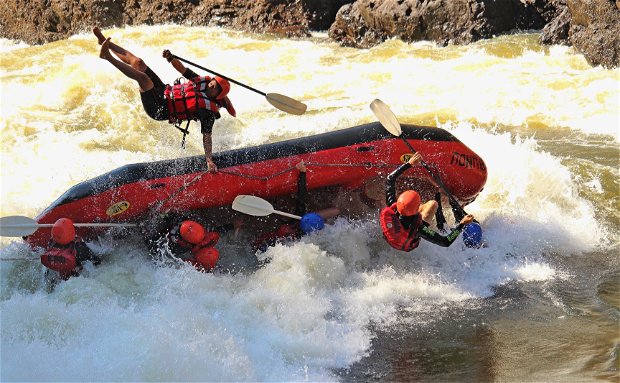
{"points": [[390, 123], [284, 103], [256, 206], [19, 226]]}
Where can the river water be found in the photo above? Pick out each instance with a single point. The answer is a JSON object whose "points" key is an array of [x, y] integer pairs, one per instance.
{"points": [[540, 303]]}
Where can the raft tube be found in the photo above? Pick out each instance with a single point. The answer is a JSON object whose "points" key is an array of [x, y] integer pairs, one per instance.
{"points": [[348, 157]]}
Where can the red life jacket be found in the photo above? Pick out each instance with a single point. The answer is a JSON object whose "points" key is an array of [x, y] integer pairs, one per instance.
{"points": [[61, 259], [395, 233], [186, 98]]}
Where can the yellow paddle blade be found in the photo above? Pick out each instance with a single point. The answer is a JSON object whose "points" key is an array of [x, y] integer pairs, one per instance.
{"points": [[286, 104], [386, 117]]}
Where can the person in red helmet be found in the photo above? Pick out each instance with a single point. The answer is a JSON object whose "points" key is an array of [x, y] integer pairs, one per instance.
{"points": [[406, 220], [191, 241], [66, 253], [199, 98]]}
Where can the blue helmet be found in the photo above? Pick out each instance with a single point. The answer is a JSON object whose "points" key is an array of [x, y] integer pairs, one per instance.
{"points": [[311, 222], [472, 235]]}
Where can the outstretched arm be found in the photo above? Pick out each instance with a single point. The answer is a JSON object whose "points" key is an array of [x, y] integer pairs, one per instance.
{"points": [[176, 64], [432, 236], [390, 183], [207, 145]]}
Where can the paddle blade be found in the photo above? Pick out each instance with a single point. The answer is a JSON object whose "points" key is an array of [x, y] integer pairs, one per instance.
{"points": [[17, 226], [252, 205], [286, 104], [386, 117]]}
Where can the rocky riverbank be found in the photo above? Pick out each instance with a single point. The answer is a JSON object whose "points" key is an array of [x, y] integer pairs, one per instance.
{"points": [[591, 26]]}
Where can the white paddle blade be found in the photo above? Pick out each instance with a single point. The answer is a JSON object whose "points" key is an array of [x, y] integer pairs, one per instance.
{"points": [[17, 226], [286, 104], [386, 117], [252, 205]]}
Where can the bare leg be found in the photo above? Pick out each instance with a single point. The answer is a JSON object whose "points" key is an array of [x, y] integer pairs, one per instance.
{"points": [[123, 54], [427, 210], [141, 78]]}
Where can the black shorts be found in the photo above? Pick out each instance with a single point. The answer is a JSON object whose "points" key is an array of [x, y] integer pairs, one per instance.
{"points": [[153, 100], [207, 119]]}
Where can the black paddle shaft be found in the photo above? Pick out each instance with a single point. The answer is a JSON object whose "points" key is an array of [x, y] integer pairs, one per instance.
{"points": [[221, 75], [436, 178]]}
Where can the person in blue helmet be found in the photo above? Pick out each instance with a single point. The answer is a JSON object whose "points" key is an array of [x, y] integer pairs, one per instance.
{"points": [[295, 229]]}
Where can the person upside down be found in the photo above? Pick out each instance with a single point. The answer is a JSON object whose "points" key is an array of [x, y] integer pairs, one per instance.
{"points": [[404, 221], [199, 98]]}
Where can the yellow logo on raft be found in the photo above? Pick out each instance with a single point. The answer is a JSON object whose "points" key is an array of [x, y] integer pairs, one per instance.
{"points": [[117, 208], [405, 157]]}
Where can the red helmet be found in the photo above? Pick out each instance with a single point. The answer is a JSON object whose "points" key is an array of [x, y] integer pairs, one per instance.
{"points": [[63, 231], [225, 85], [408, 203], [192, 231]]}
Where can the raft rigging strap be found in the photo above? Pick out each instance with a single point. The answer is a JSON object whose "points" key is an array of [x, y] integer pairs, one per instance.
{"points": [[266, 178]]}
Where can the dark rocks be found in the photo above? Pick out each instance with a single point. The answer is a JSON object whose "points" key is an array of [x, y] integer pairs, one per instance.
{"points": [[40, 21], [595, 30], [591, 26], [367, 22]]}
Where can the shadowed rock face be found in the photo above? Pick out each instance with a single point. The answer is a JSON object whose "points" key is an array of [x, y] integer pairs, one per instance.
{"points": [[591, 26], [40, 21], [366, 22], [595, 30]]}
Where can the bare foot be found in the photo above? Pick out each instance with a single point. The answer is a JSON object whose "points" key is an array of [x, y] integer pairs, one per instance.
{"points": [[104, 53], [99, 35]]}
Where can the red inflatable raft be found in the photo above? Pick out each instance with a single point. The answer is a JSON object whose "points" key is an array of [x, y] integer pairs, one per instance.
{"points": [[349, 158]]}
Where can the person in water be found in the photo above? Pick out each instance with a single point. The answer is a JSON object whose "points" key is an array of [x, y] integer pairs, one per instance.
{"points": [[200, 98], [295, 229], [404, 220], [185, 237], [193, 243], [67, 253]]}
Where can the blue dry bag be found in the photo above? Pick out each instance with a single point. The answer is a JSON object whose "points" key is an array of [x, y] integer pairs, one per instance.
{"points": [[311, 222]]}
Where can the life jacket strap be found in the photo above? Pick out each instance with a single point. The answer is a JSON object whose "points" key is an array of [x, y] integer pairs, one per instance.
{"points": [[184, 131]]}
